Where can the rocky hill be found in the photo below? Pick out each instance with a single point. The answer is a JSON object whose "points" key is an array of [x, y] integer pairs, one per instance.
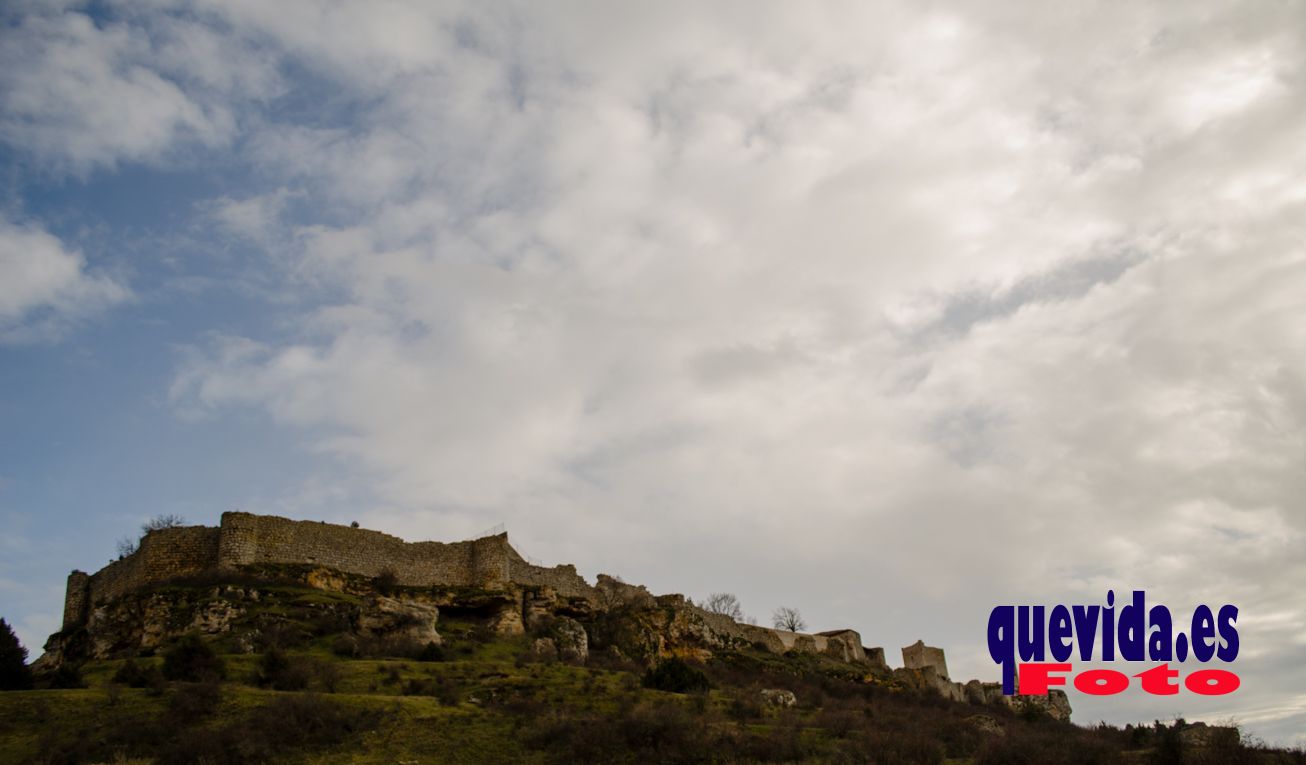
{"points": [[305, 663]]}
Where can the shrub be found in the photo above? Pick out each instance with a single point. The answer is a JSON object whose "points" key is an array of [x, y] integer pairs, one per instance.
{"points": [[328, 674], [430, 652], [676, 676], [14, 673], [287, 727], [281, 634], [191, 660], [191, 702], [386, 582], [67, 675], [280, 672], [347, 646], [133, 675]]}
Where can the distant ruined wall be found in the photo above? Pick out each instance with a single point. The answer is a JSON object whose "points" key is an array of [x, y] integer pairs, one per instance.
{"points": [[563, 579], [163, 554], [248, 538], [919, 656], [875, 656]]}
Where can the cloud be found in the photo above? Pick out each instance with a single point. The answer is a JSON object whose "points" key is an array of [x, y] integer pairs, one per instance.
{"points": [[256, 219], [893, 314], [44, 286], [79, 94]]}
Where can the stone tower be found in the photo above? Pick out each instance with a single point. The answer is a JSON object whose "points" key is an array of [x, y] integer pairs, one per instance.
{"points": [[919, 656]]}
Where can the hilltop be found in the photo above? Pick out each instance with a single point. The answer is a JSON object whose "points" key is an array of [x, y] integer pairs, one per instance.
{"points": [[230, 645]]}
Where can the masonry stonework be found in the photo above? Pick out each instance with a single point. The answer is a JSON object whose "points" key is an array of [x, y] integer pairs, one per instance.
{"points": [[74, 605], [919, 656], [244, 539], [247, 539]]}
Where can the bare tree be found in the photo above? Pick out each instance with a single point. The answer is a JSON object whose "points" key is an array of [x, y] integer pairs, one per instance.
{"points": [[724, 603], [162, 521], [127, 546], [786, 618]]}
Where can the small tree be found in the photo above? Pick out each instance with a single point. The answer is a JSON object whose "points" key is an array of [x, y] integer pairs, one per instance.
{"points": [[676, 676], [191, 660], [14, 673], [724, 603], [786, 618], [162, 521], [127, 546], [386, 582]]}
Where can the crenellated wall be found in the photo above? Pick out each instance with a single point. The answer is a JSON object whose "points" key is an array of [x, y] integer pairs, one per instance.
{"points": [[244, 539]]}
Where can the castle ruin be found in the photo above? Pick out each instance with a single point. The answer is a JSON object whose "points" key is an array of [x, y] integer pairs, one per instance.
{"points": [[243, 539], [488, 563]]}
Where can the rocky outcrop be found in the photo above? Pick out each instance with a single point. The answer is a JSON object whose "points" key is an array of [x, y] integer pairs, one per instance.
{"points": [[1055, 705], [1200, 735], [396, 619], [571, 639], [777, 697], [544, 648], [928, 678], [563, 638]]}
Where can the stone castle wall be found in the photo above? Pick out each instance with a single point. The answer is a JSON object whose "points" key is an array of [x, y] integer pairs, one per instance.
{"points": [[563, 579], [163, 554], [245, 539], [248, 539]]}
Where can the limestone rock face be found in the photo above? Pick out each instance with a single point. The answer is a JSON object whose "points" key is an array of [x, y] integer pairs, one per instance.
{"points": [[1055, 705], [215, 617], [387, 617], [508, 620], [544, 648], [570, 638], [928, 678], [651, 628], [1058, 705], [326, 579], [779, 698], [538, 605]]}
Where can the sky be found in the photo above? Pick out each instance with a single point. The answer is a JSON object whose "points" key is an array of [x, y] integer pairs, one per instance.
{"points": [[889, 312]]}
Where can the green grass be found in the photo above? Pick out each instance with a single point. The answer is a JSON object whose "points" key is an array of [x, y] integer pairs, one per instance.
{"points": [[412, 727]]}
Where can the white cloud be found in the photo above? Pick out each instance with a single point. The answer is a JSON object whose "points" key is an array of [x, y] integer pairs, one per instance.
{"points": [[256, 219], [892, 314], [44, 285], [80, 94]]}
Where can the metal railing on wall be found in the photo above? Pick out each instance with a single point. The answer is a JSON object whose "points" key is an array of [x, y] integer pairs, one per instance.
{"points": [[495, 530], [501, 529]]}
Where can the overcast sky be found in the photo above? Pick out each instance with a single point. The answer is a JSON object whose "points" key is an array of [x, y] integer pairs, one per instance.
{"points": [[891, 312]]}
